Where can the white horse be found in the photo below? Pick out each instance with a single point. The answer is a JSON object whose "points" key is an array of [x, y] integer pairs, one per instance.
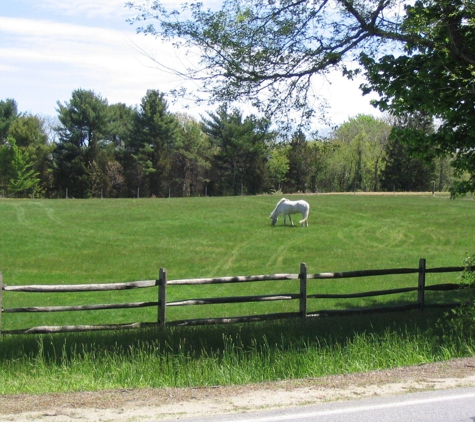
{"points": [[287, 207]]}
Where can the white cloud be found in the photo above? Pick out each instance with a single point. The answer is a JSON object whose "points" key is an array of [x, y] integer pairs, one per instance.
{"points": [[88, 9], [109, 61], [106, 9], [60, 39], [344, 95]]}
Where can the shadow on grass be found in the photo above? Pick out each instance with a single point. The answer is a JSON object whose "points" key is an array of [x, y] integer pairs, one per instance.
{"points": [[225, 354], [194, 342]]}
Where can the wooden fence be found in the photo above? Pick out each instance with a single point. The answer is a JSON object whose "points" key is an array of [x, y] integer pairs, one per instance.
{"points": [[161, 284]]}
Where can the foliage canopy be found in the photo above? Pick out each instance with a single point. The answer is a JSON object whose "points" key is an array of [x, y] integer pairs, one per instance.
{"points": [[269, 52]]}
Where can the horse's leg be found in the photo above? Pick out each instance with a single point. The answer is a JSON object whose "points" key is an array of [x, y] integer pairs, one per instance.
{"points": [[290, 218]]}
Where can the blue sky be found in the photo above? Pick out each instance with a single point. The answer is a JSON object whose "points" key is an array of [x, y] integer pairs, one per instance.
{"points": [[49, 48]]}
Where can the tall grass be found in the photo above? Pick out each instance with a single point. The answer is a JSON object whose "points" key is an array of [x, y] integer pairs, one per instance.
{"points": [[210, 356], [54, 242]]}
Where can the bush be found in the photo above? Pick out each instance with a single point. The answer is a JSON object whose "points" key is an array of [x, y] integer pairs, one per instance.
{"points": [[462, 318]]}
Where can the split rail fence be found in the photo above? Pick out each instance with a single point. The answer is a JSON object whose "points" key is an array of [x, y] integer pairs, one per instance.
{"points": [[162, 284]]}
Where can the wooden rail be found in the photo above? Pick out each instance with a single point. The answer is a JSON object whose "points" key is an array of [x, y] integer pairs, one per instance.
{"points": [[161, 304]]}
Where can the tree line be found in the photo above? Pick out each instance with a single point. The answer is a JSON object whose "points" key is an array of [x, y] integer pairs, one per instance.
{"points": [[97, 149]]}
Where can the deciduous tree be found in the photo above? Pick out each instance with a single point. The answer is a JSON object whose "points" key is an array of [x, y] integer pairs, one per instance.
{"points": [[405, 170], [434, 75], [269, 52], [30, 136], [366, 137]]}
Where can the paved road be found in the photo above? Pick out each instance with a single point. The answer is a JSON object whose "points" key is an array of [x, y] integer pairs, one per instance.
{"points": [[456, 405]]}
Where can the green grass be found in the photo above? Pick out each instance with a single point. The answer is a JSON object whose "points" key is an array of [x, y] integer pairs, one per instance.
{"points": [[111, 240], [223, 355], [100, 241]]}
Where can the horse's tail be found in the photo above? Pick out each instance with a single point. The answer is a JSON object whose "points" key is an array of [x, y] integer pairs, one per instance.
{"points": [[305, 216]]}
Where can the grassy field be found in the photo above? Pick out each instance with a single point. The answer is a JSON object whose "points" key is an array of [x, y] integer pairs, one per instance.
{"points": [[100, 241], [110, 240]]}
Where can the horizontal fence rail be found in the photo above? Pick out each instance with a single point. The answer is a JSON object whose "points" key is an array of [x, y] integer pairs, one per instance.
{"points": [[161, 284], [71, 288]]}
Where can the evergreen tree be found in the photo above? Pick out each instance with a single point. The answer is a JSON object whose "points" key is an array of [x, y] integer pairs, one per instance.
{"points": [[8, 113], [191, 159], [300, 157], [117, 157], [17, 176], [82, 134], [152, 145], [242, 150]]}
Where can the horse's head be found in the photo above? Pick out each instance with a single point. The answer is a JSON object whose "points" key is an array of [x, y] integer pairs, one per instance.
{"points": [[274, 219]]}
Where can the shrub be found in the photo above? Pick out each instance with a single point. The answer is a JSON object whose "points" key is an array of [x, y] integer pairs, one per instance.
{"points": [[462, 318]]}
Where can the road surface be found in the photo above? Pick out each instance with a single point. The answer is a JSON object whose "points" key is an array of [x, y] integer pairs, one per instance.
{"points": [[455, 405]]}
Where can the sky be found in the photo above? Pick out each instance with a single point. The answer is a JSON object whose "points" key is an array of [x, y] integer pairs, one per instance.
{"points": [[49, 48]]}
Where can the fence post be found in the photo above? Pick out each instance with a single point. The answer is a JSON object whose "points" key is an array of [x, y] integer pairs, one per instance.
{"points": [[162, 297], [1, 303], [421, 283], [303, 290]]}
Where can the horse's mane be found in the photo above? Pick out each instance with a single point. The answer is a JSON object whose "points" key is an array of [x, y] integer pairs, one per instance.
{"points": [[277, 206]]}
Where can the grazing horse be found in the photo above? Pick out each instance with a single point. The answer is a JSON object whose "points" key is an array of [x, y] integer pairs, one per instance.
{"points": [[287, 207]]}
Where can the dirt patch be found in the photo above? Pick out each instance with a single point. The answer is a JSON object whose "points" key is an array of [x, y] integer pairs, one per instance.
{"points": [[147, 404]]}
